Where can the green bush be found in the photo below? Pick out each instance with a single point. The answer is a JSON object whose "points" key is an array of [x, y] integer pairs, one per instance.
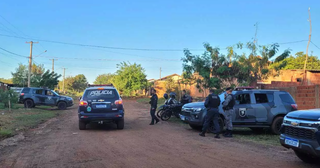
{"points": [[8, 95]]}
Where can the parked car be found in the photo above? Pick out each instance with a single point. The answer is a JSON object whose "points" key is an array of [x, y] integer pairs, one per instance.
{"points": [[16, 89], [32, 96], [300, 132], [101, 104], [256, 109]]}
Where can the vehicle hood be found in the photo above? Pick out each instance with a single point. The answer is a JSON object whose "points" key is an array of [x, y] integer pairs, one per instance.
{"points": [[313, 114], [194, 105]]}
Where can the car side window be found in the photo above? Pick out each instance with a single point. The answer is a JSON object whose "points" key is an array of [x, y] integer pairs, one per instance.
{"points": [[48, 93], [38, 91], [243, 99], [261, 98]]}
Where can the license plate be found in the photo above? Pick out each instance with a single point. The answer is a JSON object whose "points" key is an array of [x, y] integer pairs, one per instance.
{"points": [[291, 142], [101, 106], [182, 117]]}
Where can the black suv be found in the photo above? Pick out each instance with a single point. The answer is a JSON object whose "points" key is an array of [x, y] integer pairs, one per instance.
{"points": [[256, 109], [31, 97], [102, 104], [300, 131]]}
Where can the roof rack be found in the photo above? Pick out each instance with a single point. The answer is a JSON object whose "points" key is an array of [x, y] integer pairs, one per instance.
{"points": [[100, 85], [245, 88]]}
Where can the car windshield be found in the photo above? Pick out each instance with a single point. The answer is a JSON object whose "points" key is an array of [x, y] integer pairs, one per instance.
{"points": [[100, 94], [54, 93]]}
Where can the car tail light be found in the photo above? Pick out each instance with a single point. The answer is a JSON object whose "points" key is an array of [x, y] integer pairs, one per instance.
{"points": [[83, 103], [118, 102], [22, 94], [294, 106]]}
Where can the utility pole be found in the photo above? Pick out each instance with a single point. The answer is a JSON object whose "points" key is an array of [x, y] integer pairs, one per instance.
{"points": [[64, 72], [53, 64], [305, 62], [255, 36], [160, 72], [30, 61]]}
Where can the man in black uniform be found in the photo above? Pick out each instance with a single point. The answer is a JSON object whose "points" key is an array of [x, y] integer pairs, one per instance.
{"points": [[212, 103], [153, 103]]}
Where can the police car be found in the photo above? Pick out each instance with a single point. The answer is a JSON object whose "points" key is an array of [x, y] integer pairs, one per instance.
{"points": [[254, 108], [101, 104]]}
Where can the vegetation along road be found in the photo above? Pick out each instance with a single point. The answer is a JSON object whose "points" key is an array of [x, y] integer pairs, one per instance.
{"points": [[59, 143]]}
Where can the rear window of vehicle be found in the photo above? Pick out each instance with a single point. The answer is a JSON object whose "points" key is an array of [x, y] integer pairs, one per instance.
{"points": [[286, 98], [25, 90], [100, 94]]}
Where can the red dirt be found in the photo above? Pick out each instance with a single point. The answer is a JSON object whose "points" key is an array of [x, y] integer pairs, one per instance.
{"points": [[61, 144]]}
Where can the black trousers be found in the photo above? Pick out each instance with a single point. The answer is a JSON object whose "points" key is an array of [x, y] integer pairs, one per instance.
{"points": [[153, 115], [212, 114]]}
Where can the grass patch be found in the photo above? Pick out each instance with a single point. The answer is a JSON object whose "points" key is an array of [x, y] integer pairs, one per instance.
{"points": [[23, 119], [15, 106], [265, 137]]}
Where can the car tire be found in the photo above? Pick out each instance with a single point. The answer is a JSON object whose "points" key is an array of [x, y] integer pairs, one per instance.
{"points": [[195, 127], [28, 103], [62, 105], [256, 130], [306, 157], [82, 125], [221, 124], [120, 124], [276, 125]]}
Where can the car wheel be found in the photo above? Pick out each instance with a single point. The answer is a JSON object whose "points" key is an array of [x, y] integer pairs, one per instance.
{"points": [[276, 125], [120, 124], [256, 130], [195, 127], [62, 105], [82, 125], [221, 125], [306, 157], [28, 103]]}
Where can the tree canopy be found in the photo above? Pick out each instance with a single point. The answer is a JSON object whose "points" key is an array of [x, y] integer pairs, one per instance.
{"points": [[103, 79], [129, 78]]}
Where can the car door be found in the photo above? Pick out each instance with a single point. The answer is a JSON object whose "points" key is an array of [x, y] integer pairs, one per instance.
{"points": [[50, 98], [38, 96], [244, 112], [263, 102]]}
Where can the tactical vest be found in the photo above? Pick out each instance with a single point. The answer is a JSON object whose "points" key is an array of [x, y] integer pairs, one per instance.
{"points": [[214, 101], [231, 103]]}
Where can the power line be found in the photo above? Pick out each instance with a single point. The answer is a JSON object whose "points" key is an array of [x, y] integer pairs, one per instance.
{"points": [[97, 46], [293, 42], [13, 53], [315, 45], [103, 59]]}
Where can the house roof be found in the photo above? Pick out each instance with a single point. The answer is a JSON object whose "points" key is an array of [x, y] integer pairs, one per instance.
{"points": [[163, 78]]}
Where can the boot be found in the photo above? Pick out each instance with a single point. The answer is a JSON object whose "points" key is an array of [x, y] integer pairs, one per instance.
{"points": [[229, 135], [217, 136], [226, 133], [202, 134]]}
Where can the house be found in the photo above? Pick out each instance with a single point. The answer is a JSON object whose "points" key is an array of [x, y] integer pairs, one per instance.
{"points": [[295, 77]]}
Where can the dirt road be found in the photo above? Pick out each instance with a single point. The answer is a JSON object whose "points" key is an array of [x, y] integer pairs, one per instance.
{"points": [[61, 144]]}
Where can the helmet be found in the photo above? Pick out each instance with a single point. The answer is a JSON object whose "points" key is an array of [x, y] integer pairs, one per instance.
{"points": [[173, 95], [165, 96]]}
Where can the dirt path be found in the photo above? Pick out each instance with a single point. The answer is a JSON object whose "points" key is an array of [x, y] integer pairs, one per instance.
{"points": [[61, 144]]}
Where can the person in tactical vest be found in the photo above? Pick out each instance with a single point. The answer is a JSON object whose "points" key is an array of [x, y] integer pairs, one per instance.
{"points": [[212, 103], [227, 106], [153, 102]]}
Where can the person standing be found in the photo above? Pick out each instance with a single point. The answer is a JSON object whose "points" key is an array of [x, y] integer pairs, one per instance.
{"points": [[227, 106], [212, 104], [153, 102], [185, 97]]}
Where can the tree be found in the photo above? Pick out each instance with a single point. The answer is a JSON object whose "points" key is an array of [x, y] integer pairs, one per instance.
{"points": [[103, 79], [20, 77], [129, 78], [171, 85], [7, 96], [39, 77], [79, 83], [297, 62]]}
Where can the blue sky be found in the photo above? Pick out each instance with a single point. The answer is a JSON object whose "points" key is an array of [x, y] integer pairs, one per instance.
{"points": [[155, 24]]}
